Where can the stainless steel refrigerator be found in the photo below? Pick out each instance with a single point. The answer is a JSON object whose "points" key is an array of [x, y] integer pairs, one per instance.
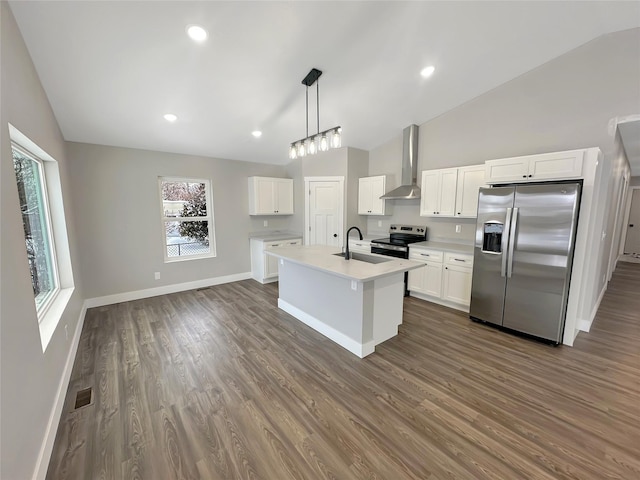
{"points": [[523, 254]]}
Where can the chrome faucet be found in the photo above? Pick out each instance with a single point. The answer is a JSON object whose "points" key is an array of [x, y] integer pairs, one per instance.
{"points": [[347, 255]]}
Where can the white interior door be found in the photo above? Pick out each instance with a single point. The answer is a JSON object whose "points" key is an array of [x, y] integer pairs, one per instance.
{"points": [[324, 211], [632, 241]]}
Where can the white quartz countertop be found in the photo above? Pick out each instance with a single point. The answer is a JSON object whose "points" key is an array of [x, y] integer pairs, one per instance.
{"points": [[444, 246], [321, 257], [271, 236]]}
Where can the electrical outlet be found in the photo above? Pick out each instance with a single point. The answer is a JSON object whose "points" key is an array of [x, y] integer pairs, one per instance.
{"points": [[458, 228], [354, 285], [379, 223], [157, 275], [266, 223]]}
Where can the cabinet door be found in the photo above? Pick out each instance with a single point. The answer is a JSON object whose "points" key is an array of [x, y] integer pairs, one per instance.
{"points": [[470, 179], [365, 193], [377, 190], [433, 279], [556, 166], [262, 202], [283, 192], [447, 192], [429, 201], [457, 284], [506, 170], [415, 281], [271, 263]]}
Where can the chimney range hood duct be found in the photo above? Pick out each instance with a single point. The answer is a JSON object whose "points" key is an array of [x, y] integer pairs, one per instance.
{"points": [[409, 188]]}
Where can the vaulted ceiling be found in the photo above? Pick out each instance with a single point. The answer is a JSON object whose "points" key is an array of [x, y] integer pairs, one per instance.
{"points": [[112, 69]]}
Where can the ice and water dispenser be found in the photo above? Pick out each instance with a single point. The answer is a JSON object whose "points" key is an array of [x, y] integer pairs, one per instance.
{"points": [[492, 237]]}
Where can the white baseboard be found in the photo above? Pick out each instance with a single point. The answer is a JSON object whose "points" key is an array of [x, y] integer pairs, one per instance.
{"points": [[439, 301], [164, 290], [584, 325], [42, 464], [359, 349]]}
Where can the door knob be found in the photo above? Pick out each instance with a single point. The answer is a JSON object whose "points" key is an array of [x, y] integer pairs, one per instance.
{"points": [[335, 235]]}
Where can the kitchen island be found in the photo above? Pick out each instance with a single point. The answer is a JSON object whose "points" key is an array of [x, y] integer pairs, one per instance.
{"points": [[355, 303]]}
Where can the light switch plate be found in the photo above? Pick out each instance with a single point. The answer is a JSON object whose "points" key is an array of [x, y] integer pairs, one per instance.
{"points": [[458, 228]]}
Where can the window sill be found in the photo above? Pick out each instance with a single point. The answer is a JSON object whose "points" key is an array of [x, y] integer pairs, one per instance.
{"points": [[54, 313], [186, 258]]}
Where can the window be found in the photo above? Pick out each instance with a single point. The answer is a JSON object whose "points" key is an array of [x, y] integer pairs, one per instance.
{"points": [[36, 219], [187, 217]]}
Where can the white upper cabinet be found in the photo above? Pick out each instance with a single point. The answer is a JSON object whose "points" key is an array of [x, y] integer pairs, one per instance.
{"points": [[438, 196], [451, 192], [535, 168], [370, 189], [270, 196], [470, 179]]}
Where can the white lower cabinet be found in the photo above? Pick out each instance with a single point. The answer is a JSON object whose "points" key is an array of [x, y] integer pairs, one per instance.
{"points": [[264, 268], [362, 246], [444, 279]]}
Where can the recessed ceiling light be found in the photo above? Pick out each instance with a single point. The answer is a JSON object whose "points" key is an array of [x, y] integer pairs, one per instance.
{"points": [[427, 71], [256, 133], [170, 117], [197, 33]]}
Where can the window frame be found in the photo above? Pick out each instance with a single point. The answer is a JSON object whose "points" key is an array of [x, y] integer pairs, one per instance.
{"points": [[44, 306], [208, 218]]}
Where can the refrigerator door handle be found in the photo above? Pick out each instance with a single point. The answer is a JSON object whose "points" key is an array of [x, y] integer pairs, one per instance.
{"points": [[512, 241], [505, 242]]}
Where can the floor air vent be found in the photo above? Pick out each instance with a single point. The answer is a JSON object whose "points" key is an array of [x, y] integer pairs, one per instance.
{"points": [[84, 398]]}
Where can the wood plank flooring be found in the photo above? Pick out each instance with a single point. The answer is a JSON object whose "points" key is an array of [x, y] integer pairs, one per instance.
{"points": [[218, 383]]}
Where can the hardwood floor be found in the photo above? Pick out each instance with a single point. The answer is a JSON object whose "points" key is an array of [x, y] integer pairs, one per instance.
{"points": [[218, 383]]}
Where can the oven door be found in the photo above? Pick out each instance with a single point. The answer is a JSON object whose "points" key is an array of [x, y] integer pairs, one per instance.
{"points": [[390, 250]]}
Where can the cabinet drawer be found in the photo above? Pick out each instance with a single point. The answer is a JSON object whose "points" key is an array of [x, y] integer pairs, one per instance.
{"points": [[458, 259], [434, 256]]}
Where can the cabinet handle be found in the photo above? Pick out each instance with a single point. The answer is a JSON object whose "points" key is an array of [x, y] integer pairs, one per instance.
{"points": [[459, 260], [425, 254], [530, 176], [524, 176], [446, 268], [459, 213]]}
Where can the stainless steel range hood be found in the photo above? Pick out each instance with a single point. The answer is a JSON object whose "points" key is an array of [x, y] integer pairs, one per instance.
{"points": [[409, 188]]}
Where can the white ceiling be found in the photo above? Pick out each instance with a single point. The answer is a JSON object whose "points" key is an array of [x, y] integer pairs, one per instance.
{"points": [[112, 69]]}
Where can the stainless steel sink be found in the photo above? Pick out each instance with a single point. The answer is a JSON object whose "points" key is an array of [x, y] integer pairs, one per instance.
{"points": [[363, 257]]}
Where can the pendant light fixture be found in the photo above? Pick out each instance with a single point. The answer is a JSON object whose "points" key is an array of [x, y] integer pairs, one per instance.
{"points": [[319, 141]]}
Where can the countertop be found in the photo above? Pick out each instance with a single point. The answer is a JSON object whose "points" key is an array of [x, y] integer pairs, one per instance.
{"points": [[321, 257], [271, 236], [444, 246]]}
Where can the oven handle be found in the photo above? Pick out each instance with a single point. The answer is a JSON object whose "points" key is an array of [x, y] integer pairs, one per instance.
{"points": [[388, 247]]}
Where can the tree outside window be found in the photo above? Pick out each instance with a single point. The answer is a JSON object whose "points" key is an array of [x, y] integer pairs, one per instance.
{"points": [[188, 223], [37, 226]]}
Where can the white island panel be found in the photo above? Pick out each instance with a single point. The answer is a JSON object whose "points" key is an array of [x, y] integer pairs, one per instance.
{"points": [[357, 319], [354, 303]]}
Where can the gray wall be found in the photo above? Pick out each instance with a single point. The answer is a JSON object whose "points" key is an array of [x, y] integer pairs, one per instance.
{"points": [[30, 378], [119, 216], [564, 104], [635, 182], [347, 162]]}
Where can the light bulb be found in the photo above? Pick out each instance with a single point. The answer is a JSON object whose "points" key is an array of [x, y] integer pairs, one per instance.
{"points": [[324, 143], [301, 151], [292, 152], [312, 147], [335, 139], [426, 72], [197, 33]]}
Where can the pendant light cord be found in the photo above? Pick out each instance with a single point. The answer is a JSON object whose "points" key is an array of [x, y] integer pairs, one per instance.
{"points": [[318, 104], [307, 109]]}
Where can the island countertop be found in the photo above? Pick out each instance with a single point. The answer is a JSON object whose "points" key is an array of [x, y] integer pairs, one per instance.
{"points": [[323, 258]]}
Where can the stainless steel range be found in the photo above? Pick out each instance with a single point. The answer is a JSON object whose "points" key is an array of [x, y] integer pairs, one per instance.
{"points": [[400, 237], [397, 245]]}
